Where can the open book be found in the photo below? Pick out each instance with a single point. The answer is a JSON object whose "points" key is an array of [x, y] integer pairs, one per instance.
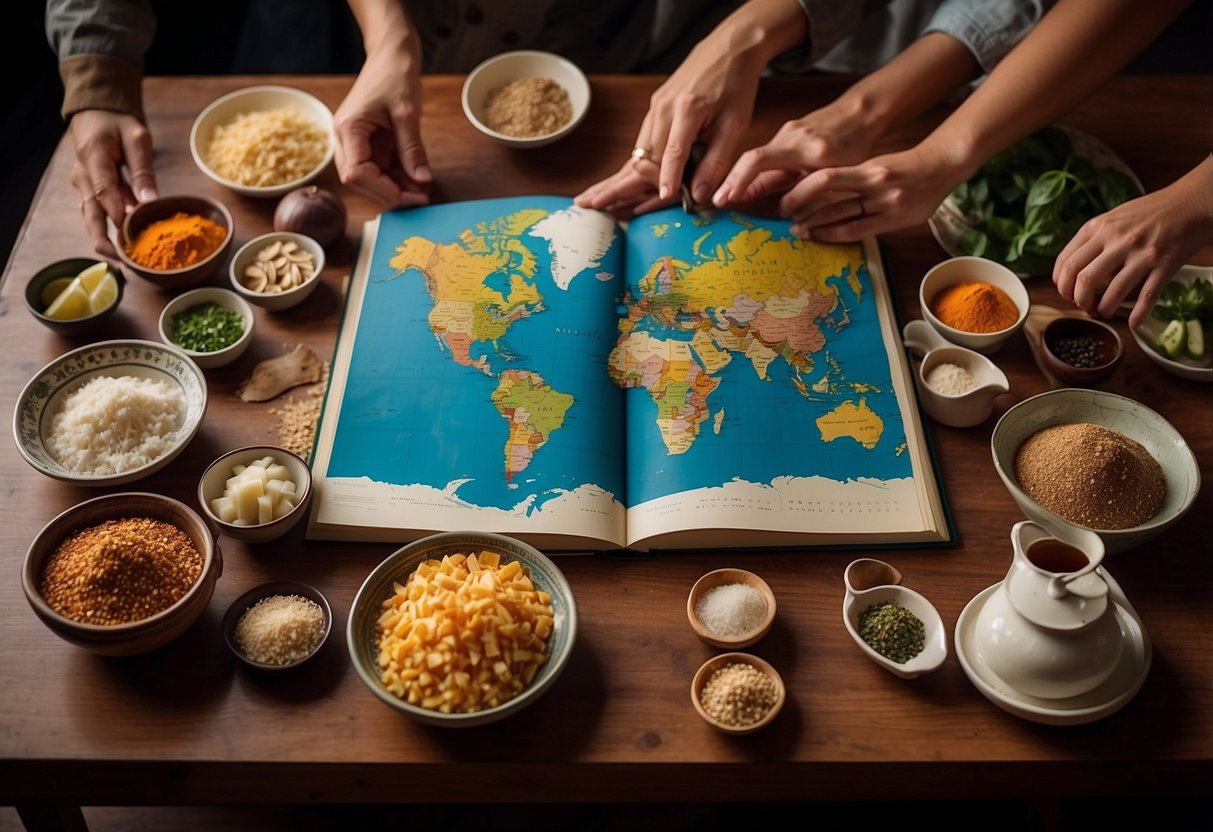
{"points": [[526, 367]]}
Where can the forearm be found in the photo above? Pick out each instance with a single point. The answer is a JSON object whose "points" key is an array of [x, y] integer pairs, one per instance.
{"points": [[1075, 48], [385, 25], [761, 29], [100, 46]]}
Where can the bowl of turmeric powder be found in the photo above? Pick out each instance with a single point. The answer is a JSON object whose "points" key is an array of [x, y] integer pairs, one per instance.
{"points": [[176, 242], [974, 302]]}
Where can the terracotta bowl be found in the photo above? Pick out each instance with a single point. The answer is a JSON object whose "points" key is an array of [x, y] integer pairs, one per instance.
{"points": [[140, 636], [725, 577], [164, 207], [717, 662], [1081, 352]]}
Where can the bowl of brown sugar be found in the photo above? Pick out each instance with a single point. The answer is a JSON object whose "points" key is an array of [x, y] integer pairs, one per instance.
{"points": [[526, 98], [122, 574], [1095, 460]]}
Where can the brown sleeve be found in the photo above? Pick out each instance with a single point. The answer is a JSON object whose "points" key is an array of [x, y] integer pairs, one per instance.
{"points": [[101, 82]]}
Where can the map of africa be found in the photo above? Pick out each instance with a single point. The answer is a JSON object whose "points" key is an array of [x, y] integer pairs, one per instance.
{"points": [[492, 354]]}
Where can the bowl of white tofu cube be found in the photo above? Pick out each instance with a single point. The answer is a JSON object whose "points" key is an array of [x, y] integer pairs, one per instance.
{"points": [[257, 493]]}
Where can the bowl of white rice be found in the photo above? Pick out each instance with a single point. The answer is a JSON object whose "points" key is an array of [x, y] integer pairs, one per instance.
{"points": [[109, 413], [263, 141]]}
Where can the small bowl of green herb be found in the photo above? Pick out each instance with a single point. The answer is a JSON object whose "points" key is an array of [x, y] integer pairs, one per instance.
{"points": [[1024, 204], [213, 326], [893, 625]]}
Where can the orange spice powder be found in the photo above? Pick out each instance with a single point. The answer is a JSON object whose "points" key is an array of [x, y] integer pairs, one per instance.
{"points": [[975, 306], [176, 242]]}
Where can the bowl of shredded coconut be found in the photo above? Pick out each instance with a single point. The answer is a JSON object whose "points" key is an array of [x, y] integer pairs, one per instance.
{"points": [[278, 625], [109, 413], [526, 98], [263, 141]]}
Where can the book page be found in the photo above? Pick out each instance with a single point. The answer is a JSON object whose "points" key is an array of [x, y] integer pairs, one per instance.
{"points": [[767, 390], [467, 389]]}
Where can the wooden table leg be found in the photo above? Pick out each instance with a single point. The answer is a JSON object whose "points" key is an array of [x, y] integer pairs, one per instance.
{"points": [[51, 817]]}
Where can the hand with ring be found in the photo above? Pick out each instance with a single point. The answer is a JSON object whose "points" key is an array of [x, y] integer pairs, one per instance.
{"points": [[112, 171]]}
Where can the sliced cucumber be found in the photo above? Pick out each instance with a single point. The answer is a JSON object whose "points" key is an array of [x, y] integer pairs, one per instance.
{"points": [[1171, 342], [1195, 346]]}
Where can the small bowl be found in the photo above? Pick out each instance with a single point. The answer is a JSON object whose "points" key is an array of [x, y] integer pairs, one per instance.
{"points": [[1129, 417], [214, 482], [869, 582], [236, 611], [209, 294], [1147, 333], [37, 300], [43, 393], [962, 410], [725, 577], [164, 207], [275, 302], [969, 269], [368, 606], [135, 637], [227, 108], [1106, 350], [512, 66], [717, 662]]}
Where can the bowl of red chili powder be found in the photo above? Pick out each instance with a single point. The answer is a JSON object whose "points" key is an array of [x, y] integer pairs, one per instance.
{"points": [[974, 302], [122, 574], [176, 242]]}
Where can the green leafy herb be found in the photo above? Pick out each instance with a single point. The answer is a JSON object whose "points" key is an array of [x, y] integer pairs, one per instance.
{"points": [[1178, 302], [1028, 201], [207, 327]]}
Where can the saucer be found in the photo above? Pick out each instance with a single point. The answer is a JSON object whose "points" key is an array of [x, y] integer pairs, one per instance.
{"points": [[1105, 700]]}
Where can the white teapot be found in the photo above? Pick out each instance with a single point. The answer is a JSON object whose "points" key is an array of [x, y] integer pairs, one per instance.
{"points": [[1050, 630]]}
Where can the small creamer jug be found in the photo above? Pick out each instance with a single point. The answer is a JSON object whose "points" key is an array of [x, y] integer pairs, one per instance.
{"points": [[1050, 630]]}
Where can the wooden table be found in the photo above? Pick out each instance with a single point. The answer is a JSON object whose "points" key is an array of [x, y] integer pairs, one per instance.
{"points": [[187, 725]]}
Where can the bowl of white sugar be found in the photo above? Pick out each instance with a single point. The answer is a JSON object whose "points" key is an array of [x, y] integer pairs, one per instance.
{"points": [[109, 413], [731, 608]]}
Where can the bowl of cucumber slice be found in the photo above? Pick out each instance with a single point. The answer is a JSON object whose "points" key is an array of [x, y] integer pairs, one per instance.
{"points": [[1178, 334]]}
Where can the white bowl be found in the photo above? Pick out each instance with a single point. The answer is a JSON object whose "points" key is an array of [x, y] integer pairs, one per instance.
{"points": [[967, 269], [275, 302], [224, 110], [368, 605], [512, 66], [214, 481], [1118, 413], [208, 294], [1147, 333], [869, 582], [43, 393]]}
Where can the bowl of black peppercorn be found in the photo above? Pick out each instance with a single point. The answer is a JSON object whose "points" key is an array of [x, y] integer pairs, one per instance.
{"points": [[1081, 352]]}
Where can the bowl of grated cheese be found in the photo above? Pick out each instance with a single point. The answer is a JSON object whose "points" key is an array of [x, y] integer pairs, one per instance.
{"points": [[263, 141], [109, 413]]}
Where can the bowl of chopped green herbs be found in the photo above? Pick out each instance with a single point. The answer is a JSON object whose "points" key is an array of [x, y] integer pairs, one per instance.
{"points": [[1024, 204], [213, 326], [1178, 334]]}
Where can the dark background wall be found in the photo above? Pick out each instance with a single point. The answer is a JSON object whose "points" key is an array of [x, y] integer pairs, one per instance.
{"points": [[209, 39]]}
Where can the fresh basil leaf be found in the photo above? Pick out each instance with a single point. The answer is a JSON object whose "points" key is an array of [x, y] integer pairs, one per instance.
{"points": [[974, 241], [1004, 228], [1048, 188]]}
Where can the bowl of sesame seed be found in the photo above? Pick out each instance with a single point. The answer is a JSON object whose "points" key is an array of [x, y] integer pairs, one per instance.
{"points": [[122, 574], [737, 693], [526, 98]]}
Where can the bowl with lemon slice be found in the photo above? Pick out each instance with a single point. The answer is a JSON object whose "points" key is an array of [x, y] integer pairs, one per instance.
{"points": [[74, 297]]}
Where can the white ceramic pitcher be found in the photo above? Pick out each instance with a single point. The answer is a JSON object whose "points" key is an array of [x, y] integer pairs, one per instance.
{"points": [[1050, 630]]}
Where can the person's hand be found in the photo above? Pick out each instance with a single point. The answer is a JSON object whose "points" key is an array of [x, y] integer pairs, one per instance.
{"points": [[378, 128], [112, 172], [1141, 242], [710, 97], [846, 204]]}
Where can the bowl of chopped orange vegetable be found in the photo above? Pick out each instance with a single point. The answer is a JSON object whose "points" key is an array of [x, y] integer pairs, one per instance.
{"points": [[462, 628]]}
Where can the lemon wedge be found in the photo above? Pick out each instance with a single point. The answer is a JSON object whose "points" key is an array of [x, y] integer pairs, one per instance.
{"points": [[87, 293], [55, 288]]}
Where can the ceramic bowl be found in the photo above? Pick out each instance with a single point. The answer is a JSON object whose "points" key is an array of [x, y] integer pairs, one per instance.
{"points": [[209, 294], [967, 270], [958, 410], [164, 207], [1129, 417], [512, 66], [45, 285], [135, 637], [1146, 334], [213, 486], [1099, 350], [227, 108], [396, 568], [869, 582], [275, 301], [43, 395], [261, 592], [727, 577], [704, 674]]}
